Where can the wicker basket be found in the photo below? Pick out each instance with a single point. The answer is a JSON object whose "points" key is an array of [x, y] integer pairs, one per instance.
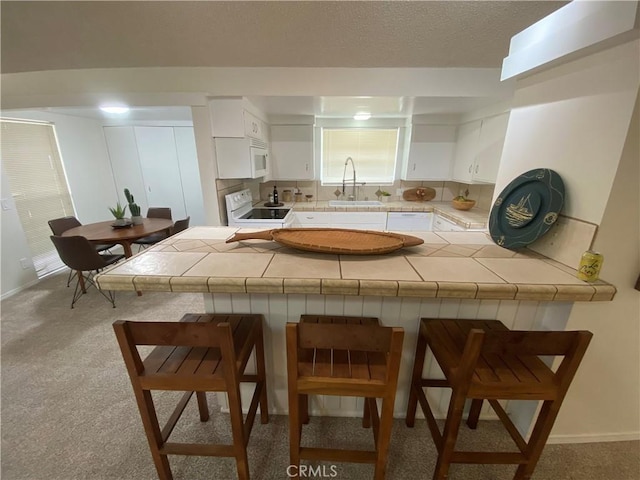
{"points": [[463, 204]]}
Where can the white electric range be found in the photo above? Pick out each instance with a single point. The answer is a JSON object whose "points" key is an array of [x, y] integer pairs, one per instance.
{"points": [[242, 213]]}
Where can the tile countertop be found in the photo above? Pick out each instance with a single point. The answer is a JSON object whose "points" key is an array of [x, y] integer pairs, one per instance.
{"points": [[472, 219], [447, 265]]}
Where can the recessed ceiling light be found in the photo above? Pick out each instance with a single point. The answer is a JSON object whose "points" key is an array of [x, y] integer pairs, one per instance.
{"points": [[114, 108], [362, 116]]}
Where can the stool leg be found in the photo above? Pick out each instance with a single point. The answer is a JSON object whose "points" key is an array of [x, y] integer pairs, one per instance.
{"points": [[203, 408], [152, 429], [304, 409], [450, 435], [237, 428], [366, 414], [262, 377], [295, 430], [416, 377], [384, 435], [541, 431], [474, 413]]}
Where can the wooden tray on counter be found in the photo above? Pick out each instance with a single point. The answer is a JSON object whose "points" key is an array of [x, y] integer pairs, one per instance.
{"points": [[341, 241], [419, 194]]}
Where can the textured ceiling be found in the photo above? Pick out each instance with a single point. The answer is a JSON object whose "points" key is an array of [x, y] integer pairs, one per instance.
{"points": [[75, 35]]}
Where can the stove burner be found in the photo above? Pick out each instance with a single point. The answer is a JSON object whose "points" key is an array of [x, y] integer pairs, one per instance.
{"points": [[266, 214]]}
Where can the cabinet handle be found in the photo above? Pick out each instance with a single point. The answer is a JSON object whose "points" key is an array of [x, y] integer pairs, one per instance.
{"points": [[476, 168], [470, 167], [306, 167], [414, 167]]}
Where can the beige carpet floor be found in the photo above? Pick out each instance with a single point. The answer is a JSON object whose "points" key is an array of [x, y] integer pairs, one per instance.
{"points": [[68, 411]]}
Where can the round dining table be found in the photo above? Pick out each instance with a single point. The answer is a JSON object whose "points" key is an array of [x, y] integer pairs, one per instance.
{"points": [[105, 232]]}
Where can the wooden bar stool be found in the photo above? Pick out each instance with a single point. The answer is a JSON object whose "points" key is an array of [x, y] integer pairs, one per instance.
{"points": [[483, 359], [344, 356], [201, 353]]}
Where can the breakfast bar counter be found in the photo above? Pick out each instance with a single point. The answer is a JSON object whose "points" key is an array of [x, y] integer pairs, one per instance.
{"points": [[451, 275], [461, 265]]}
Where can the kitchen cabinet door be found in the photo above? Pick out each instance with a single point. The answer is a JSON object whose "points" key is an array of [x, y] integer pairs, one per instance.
{"points": [[430, 153], [490, 142], [292, 152], [160, 170], [465, 151]]}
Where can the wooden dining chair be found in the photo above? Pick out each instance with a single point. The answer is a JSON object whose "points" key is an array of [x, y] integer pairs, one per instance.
{"points": [[344, 356], [484, 360], [155, 212], [201, 353], [80, 256], [60, 225]]}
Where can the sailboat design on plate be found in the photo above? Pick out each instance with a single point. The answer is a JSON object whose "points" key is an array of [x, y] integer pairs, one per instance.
{"points": [[521, 213]]}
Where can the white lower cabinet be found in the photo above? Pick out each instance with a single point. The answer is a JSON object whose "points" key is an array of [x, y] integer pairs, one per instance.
{"points": [[359, 220], [441, 224], [355, 220], [410, 221]]}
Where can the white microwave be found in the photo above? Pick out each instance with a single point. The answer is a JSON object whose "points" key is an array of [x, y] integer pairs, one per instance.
{"points": [[259, 162], [241, 157]]}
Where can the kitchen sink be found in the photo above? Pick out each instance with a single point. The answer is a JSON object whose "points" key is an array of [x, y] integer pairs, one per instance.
{"points": [[355, 203]]}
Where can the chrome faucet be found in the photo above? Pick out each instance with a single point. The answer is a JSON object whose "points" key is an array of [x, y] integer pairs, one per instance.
{"points": [[353, 194]]}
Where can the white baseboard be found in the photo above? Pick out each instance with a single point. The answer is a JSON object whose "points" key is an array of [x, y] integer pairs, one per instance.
{"points": [[19, 289], [594, 438]]}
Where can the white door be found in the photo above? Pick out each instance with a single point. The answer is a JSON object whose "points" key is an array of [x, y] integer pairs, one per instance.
{"points": [[160, 170], [490, 143], [190, 174], [292, 152], [431, 152], [123, 153]]}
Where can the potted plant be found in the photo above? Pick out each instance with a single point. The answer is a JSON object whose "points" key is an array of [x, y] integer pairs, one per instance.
{"points": [[118, 212], [384, 196], [134, 208]]}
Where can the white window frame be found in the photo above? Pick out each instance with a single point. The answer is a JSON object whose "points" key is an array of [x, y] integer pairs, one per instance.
{"points": [[402, 148]]}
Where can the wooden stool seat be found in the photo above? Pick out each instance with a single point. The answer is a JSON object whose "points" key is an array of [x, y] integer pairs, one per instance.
{"points": [[344, 356], [201, 353], [483, 359]]}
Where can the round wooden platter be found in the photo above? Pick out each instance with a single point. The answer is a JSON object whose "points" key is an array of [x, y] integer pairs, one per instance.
{"points": [[334, 240]]}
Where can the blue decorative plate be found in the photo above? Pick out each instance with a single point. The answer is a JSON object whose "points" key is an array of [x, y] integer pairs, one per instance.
{"points": [[527, 208]]}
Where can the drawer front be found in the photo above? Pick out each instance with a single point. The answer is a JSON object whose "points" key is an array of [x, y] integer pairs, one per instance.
{"points": [[315, 219], [354, 218], [444, 225]]}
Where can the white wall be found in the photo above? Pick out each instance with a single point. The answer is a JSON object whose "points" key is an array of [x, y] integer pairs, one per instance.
{"points": [[14, 246], [604, 400], [575, 119]]}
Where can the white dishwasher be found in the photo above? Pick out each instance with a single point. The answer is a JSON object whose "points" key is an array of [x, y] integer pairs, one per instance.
{"points": [[410, 221]]}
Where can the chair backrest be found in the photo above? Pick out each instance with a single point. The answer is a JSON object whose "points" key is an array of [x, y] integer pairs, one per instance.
{"points": [[571, 345], [176, 334], [78, 253], [159, 212], [60, 225], [383, 345], [180, 225]]}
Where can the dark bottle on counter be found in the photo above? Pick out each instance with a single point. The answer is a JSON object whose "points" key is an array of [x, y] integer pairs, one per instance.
{"points": [[275, 195]]}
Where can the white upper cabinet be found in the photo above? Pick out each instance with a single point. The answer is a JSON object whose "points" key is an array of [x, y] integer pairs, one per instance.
{"points": [[292, 152], [490, 143], [465, 152], [430, 153], [231, 119], [479, 149]]}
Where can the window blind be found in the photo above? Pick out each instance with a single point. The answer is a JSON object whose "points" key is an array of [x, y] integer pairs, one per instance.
{"points": [[32, 163], [373, 150]]}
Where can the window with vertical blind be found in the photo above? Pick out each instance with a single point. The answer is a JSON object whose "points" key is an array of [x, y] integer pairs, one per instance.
{"points": [[373, 150], [31, 161]]}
